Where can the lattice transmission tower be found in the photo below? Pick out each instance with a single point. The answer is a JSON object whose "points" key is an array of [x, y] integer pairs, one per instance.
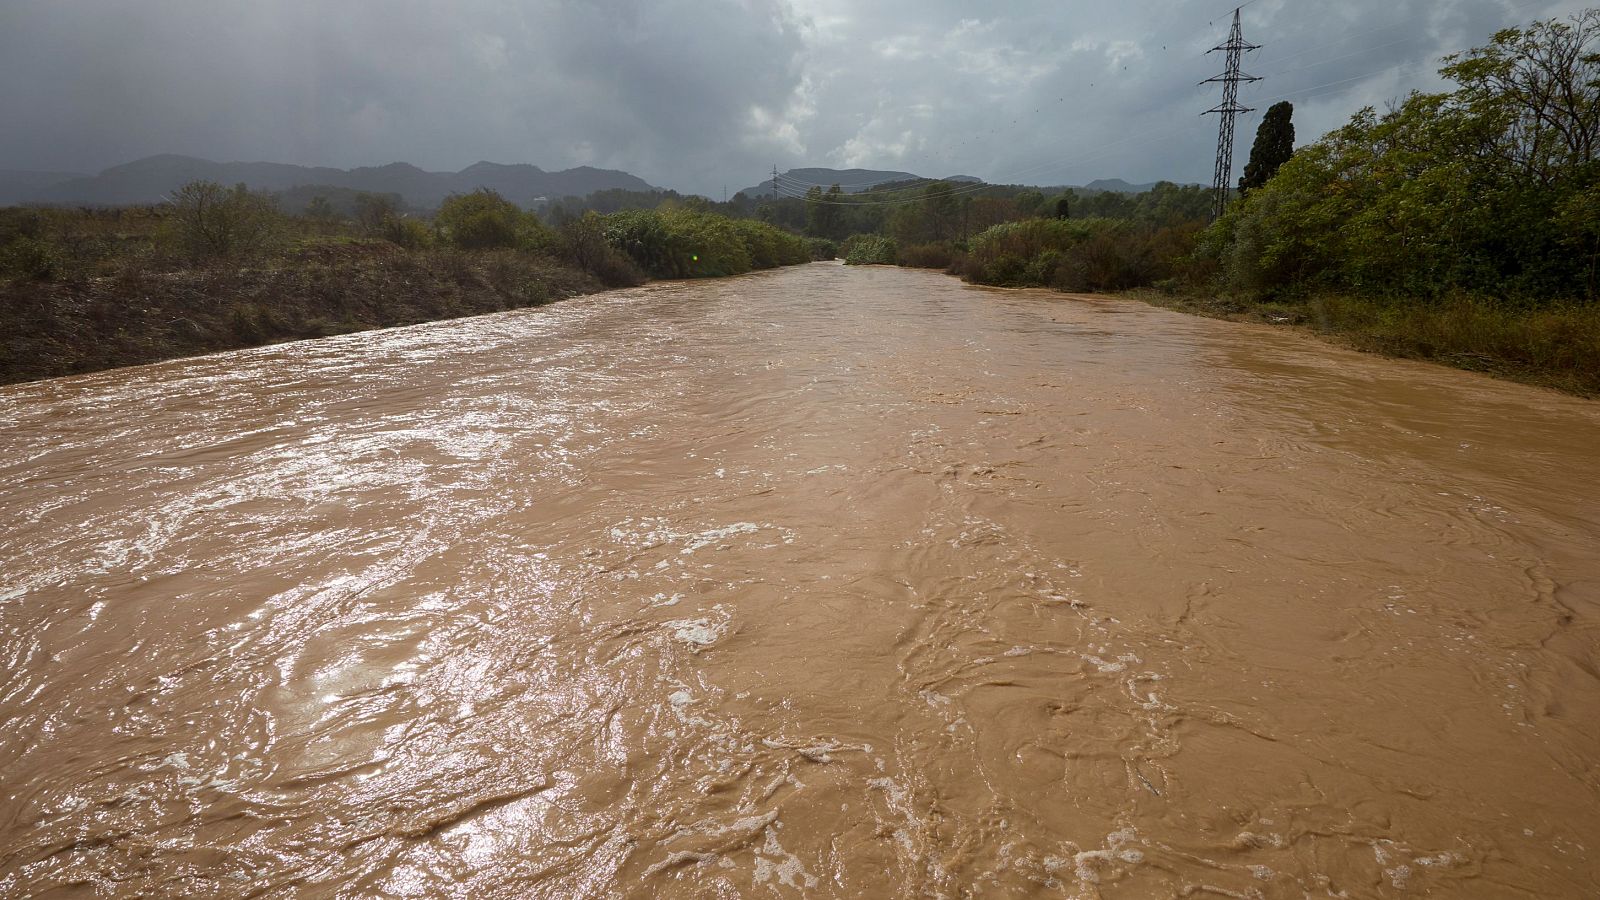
{"points": [[1236, 46]]}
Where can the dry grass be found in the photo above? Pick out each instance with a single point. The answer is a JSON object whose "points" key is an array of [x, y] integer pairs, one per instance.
{"points": [[84, 324], [1555, 346]]}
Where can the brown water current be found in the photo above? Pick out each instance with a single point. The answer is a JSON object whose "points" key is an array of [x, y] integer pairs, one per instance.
{"points": [[822, 582]]}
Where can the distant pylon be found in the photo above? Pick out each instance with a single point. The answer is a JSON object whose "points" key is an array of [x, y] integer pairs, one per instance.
{"points": [[1236, 46]]}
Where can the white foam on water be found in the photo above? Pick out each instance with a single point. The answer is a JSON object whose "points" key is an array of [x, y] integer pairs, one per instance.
{"points": [[774, 862], [1084, 861], [711, 536], [698, 633], [1102, 665]]}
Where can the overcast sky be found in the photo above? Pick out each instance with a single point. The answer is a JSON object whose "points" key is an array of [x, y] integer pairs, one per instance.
{"points": [[698, 94]]}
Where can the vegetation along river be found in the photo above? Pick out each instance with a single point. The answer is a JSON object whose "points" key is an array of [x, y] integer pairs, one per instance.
{"points": [[827, 582]]}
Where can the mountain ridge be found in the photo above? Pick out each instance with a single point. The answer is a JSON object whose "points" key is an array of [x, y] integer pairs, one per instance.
{"points": [[796, 182], [153, 178]]}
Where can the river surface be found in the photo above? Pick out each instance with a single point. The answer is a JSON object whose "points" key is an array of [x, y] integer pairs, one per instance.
{"points": [[822, 582]]}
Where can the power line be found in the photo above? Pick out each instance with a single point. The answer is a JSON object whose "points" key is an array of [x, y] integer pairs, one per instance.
{"points": [[1361, 52]]}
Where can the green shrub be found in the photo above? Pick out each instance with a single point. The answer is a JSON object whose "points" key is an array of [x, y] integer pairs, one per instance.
{"points": [[1078, 254], [30, 258], [484, 220], [583, 243], [715, 246], [822, 249], [870, 250], [1002, 254], [769, 246], [936, 255], [644, 236], [406, 232], [373, 212], [684, 243]]}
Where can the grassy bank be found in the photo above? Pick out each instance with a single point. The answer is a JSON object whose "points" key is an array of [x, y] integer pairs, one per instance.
{"points": [[1540, 341], [1550, 346], [222, 269], [138, 316]]}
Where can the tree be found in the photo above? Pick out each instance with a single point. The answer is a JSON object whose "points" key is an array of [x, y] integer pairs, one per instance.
{"points": [[374, 212], [479, 220], [814, 212], [1540, 87], [1028, 203], [321, 210], [833, 221], [824, 212], [1273, 147], [214, 221], [1579, 218], [942, 208]]}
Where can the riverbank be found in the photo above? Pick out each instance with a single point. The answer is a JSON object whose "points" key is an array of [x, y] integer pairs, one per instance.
{"points": [[1549, 341], [1554, 346], [218, 269], [80, 325]]}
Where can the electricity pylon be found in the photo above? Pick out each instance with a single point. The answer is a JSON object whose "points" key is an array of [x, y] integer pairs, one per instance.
{"points": [[1236, 46]]}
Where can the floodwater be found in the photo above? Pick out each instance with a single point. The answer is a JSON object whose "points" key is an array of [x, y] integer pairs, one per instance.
{"points": [[822, 582]]}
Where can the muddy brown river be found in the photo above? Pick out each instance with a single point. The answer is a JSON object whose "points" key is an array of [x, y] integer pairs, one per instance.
{"points": [[823, 582]]}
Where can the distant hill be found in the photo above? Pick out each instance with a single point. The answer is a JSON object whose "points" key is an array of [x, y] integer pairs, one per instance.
{"points": [[848, 180], [17, 186], [854, 181], [1118, 186], [151, 179]]}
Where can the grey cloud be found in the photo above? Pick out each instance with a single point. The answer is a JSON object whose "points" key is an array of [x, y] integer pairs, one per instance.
{"points": [[692, 94]]}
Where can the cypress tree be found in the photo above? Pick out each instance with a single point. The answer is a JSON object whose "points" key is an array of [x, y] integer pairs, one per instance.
{"points": [[1273, 147]]}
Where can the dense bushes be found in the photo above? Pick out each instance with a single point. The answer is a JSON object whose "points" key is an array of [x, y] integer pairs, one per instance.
{"points": [[583, 243], [1026, 253], [1485, 190], [935, 255], [1077, 254], [1462, 227], [822, 248], [869, 250], [484, 220], [29, 257], [681, 243]]}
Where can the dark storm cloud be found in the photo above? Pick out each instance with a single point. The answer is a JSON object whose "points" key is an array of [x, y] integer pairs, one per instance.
{"points": [[697, 94], [663, 89]]}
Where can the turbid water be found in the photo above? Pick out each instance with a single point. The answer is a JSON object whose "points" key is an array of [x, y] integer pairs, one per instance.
{"points": [[824, 582]]}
